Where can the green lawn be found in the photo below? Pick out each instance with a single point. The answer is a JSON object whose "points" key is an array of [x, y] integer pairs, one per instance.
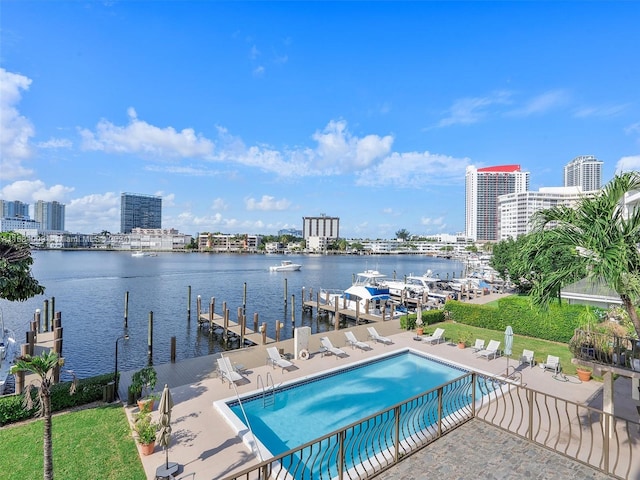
{"points": [[541, 348], [87, 444]]}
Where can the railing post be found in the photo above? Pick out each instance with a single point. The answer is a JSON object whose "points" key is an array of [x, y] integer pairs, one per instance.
{"points": [[608, 418], [530, 398], [341, 455], [396, 453], [474, 385], [439, 412]]}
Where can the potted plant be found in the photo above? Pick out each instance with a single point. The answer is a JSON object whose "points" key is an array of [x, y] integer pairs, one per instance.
{"points": [[584, 373], [142, 383], [419, 327], [464, 338], [145, 431]]}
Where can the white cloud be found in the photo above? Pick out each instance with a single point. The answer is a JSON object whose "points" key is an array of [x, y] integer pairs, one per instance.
{"points": [[266, 203], [415, 169], [627, 164], [438, 223], [602, 111], [258, 71], [142, 138], [466, 111], [55, 143], [29, 191], [219, 204], [15, 129], [542, 103], [93, 213]]}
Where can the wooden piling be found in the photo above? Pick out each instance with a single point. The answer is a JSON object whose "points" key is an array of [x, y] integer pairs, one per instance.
{"points": [[150, 340], [198, 307], [46, 315], [255, 322], [57, 320], [293, 309], [38, 319], [244, 300], [31, 340], [226, 325], [263, 330], [52, 304], [173, 349], [189, 303], [285, 293], [126, 309]]}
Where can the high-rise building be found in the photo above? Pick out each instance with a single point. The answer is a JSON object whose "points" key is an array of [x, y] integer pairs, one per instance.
{"points": [[14, 209], [483, 186], [140, 211], [584, 172], [322, 226], [50, 215]]}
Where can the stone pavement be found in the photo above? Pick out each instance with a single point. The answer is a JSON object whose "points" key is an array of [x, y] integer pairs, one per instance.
{"points": [[207, 447]]}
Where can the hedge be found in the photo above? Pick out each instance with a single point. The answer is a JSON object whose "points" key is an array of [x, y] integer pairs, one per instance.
{"points": [[429, 317], [88, 390], [557, 323]]}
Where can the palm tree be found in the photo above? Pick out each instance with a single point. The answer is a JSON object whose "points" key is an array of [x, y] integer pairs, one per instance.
{"points": [[603, 237], [42, 366]]}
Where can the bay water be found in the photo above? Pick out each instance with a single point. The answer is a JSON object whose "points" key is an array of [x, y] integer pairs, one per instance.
{"points": [[90, 286]]}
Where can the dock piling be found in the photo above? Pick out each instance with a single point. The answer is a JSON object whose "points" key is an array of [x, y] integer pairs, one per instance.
{"points": [[150, 340], [126, 309]]}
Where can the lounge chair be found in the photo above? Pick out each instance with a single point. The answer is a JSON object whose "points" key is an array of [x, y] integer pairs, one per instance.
{"points": [[329, 348], [491, 350], [226, 371], [437, 337], [479, 345], [373, 335], [527, 357], [354, 342], [275, 360], [552, 363]]}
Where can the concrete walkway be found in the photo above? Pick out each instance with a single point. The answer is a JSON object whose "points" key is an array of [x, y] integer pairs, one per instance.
{"points": [[206, 446]]}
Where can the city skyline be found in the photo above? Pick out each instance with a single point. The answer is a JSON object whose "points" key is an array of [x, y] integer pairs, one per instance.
{"points": [[245, 117]]}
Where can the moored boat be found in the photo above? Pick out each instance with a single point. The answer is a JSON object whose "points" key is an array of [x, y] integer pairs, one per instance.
{"points": [[285, 266]]}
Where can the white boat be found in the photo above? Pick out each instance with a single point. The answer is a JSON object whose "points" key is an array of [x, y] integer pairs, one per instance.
{"points": [[414, 286], [8, 353], [285, 266], [140, 253], [368, 289]]}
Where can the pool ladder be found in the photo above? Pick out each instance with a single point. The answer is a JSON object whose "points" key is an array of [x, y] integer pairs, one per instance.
{"points": [[268, 390]]}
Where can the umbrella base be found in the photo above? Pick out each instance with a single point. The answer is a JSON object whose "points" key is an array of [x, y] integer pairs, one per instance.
{"points": [[164, 471]]}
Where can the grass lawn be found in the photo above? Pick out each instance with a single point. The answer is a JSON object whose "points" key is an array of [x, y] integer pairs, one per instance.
{"points": [[87, 445], [541, 348]]}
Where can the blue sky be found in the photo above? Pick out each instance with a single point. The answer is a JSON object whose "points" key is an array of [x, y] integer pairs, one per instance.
{"points": [[246, 117]]}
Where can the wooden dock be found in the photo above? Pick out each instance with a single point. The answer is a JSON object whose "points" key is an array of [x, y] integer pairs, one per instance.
{"points": [[231, 328], [357, 315]]}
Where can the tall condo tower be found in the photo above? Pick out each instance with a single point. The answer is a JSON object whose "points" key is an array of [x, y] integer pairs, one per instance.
{"points": [[584, 172], [50, 215], [140, 211], [14, 209], [482, 188]]}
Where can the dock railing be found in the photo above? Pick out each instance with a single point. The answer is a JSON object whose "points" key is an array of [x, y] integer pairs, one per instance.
{"points": [[370, 446]]}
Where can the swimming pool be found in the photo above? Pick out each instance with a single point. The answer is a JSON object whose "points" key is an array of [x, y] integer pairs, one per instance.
{"points": [[304, 411]]}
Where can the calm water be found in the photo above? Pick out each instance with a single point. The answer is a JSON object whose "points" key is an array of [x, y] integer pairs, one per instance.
{"points": [[89, 290]]}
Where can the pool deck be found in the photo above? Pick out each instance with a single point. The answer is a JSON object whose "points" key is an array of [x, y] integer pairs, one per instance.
{"points": [[206, 446]]}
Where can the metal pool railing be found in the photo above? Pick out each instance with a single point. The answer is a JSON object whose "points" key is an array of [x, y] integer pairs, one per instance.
{"points": [[378, 442]]}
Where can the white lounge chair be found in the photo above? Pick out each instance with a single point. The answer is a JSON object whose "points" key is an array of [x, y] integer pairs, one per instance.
{"points": [[491, 350], [437, 337], [552, 363], [527, 357], [354, 342], [226, 371], [373, 335], [275, 360], [479, 345], [329, 348]]}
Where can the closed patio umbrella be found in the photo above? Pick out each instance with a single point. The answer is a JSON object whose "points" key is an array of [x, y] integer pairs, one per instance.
{"points": [[508, 343], [164, 435]]}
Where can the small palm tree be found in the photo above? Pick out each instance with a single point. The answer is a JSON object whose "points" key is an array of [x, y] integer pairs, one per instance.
{"points": [[42, 366], [603, 237]]}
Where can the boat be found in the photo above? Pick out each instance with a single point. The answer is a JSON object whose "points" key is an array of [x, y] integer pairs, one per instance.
{"points": [[285, 266], [8, 353], [140, 253], [367, 290]]}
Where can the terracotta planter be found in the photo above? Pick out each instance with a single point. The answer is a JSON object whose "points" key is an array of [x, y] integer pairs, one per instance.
{"points": [[584, 375], [145, 405], [419, 331], [461, 345], [147, 448]]}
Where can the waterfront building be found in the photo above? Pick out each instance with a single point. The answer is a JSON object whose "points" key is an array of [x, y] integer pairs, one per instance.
{"points": [[8, 224], [516, 210], [290, 231], [14, 209], [50, 215], [483, 186], [320, 232], [222, 242], [140, 211], [585, 172]]}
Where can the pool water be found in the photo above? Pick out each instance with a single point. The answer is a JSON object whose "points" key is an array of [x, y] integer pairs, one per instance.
{"points": [[305, 411]]}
